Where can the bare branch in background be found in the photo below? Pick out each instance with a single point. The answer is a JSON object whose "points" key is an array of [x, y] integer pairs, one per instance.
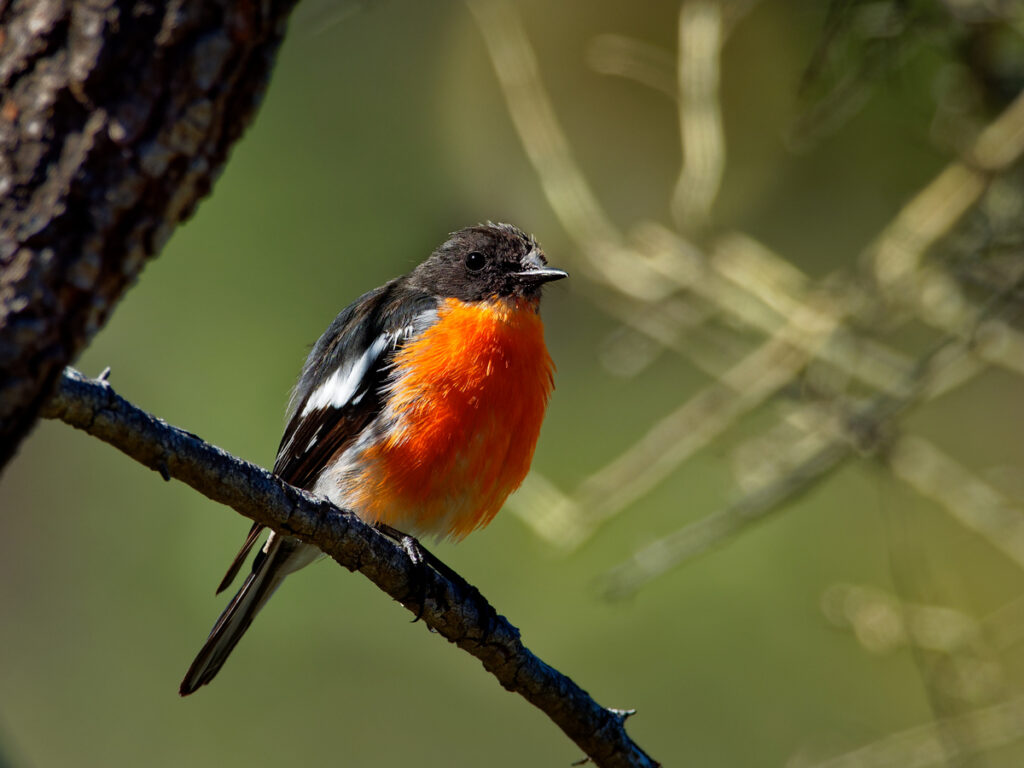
{"points": [[970, 500], [635, 60], [925, 746], [700, 115], [808, 323], [841, 389], [864, 431]]}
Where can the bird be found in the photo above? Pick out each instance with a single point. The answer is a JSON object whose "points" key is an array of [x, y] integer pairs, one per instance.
{"points": [[418, 409]]}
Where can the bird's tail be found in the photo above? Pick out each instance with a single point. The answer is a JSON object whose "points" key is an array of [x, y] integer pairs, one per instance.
{"points": [[269, 570]]}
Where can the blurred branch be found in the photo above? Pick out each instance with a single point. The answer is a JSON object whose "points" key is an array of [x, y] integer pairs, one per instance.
{"points": [[970, 500], [700, 419], [863, 431], [822, 342], [962, 660], [543, 138], [802, 332], [606, 257], [651, 65], [700, 114], [810, 323], [686, 543], [883, 622], [748, 284], [814, 324], [896, 255], [675, 438], [635, 60], [115, 118], [851, 389], [446, 603], [925, 745]]}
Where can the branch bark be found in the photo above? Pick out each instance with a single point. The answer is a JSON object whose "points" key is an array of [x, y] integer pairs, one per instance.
{"points": [[449, 605], [115, 117]]}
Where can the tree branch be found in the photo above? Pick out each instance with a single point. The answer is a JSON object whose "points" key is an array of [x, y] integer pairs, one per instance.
{"points": [[452, 607], [115, 117]]}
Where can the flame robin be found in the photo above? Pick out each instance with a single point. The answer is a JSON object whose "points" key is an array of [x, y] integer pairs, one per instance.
{"points": [[418, 409]]}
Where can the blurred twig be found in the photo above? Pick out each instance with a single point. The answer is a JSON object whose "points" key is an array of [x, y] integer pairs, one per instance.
{"points": [[700, 116], [665, 288], [648, 64], [864, 432], [970, 500], [750, 268], [801, 329], [882, 623], [635, 60], [448, 606], [759, 327], [895, 257], [549, 151], [700, 419], [923, 746]]}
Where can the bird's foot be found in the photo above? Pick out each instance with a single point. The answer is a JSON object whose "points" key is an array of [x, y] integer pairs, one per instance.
{"points": [[421, 559]]}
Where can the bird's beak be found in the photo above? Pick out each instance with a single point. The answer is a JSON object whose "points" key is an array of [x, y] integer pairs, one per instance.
{"points": [[537, 272], [541, 275]]}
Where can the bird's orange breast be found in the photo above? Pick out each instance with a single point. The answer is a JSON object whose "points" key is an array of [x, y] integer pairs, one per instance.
{"points": [[467, 398]]}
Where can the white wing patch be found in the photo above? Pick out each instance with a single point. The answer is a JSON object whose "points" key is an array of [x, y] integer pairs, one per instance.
{"points": [[345, 384], [342, 385]]}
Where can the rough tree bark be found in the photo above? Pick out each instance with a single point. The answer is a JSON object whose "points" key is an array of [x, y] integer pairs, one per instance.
{"points": [[115, 117]]}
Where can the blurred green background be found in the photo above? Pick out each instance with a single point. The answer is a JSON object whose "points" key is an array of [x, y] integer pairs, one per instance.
{"points": [[384, 128]]}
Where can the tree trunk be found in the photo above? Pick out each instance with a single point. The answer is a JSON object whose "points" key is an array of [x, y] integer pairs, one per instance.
{"points": [[115, 117]]}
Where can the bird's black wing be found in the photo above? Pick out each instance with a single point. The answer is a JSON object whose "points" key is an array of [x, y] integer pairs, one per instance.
{"points": [[339, 391]]}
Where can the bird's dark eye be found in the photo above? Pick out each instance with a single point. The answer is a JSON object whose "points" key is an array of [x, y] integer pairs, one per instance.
{"points": [[475, 261]]}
